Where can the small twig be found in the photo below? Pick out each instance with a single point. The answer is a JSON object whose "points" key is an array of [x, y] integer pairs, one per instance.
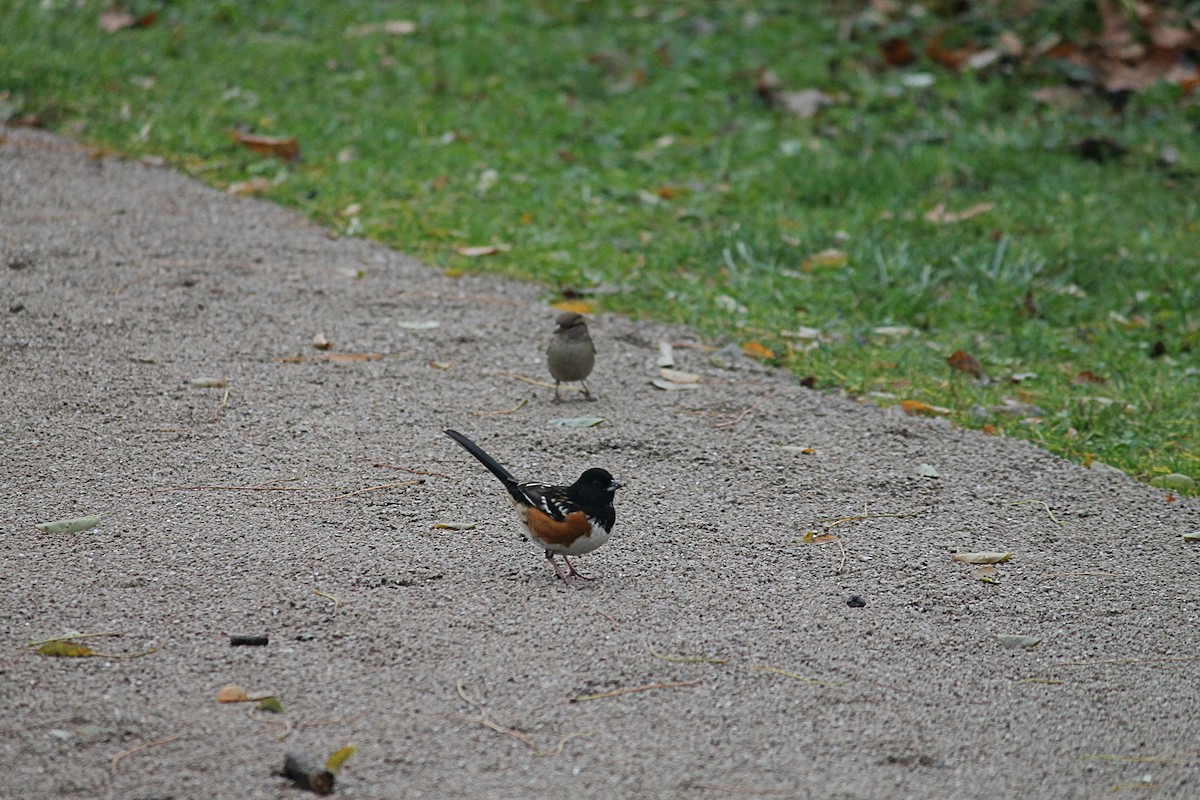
{"points": [[796, 677], [64, 637], [386, 465], [369, 489], [685, 659], [138, 748], [274, 719], [224, 403], [632, 689], [512, 410], [462, 692], [1044, 505], [328, 597], [524, 738], [737, 419], [498, 728], [609, 617], [1098, 661]]}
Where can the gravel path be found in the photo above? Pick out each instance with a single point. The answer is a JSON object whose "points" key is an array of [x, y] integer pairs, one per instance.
{"points": [[453, 660]]}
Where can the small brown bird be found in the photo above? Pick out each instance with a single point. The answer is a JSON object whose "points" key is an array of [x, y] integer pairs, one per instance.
{"points": [[562, 520], [571, 354]]}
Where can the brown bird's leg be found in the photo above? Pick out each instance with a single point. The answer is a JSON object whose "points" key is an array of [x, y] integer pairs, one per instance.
{"points": [[587, 393], [572, 578], [579, 575], [557, 397]]}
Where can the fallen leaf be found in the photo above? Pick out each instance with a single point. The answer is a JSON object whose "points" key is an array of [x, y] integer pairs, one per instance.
{"points": [[281, 147], [895, 330], [756, 350], [805, 104], [1087, 376], [255, 185], [395, 27], [482, 250], [939, 215], [271, 704], [826, 259], [115, 18], [965, 362], [62, 649], [232, 693], [76, 525], [320, 342], [454, 526], [576, 306], [896, 52], [952, 59], [418, 324], [925, 409], [209, 383], [669, 386], [1013, 640], [798, 449], [339, 757], [666, 355], [981, 558], [678, 376], [928, 471], [1174, 481], [1194, 536]]}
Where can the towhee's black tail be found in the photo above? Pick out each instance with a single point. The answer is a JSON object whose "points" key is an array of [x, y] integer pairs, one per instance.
{"points": [[492, 464]]}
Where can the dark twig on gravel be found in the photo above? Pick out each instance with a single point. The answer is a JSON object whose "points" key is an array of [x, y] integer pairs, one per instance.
{"points": [[138, 748], [731, 422]]}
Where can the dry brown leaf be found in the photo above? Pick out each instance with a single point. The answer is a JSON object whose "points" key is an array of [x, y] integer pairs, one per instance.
{"points": [[917, 407], [350, 358], [116, 18], [320, 342], [963, 361], [281, 147], [896, 52]]}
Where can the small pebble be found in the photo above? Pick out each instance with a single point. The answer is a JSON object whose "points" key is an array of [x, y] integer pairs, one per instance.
{"points": [[855, 601]]}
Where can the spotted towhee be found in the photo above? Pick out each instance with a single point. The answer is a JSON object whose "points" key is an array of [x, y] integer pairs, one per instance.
{"points": [[564, 520]]}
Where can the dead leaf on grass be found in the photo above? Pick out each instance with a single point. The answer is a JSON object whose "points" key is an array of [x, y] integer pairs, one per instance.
{"points": [[282, 147], [963, 361], [756, 350], [576, 306]]}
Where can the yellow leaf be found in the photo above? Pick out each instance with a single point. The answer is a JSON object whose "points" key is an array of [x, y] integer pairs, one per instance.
{"points": [[271, 704], [981, 558], [335, 761], [232, 694], [756, 350], [61, 649], [916, 407], [578, 306]]}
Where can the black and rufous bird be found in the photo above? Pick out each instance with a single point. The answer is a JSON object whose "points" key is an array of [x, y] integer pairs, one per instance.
{"points": [[571, 354], [562, 520]]}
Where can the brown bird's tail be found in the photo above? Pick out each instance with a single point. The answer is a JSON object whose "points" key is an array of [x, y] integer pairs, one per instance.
{"points": [[492, 464]]}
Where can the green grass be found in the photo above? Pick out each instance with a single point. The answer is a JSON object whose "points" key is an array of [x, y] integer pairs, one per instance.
{"points": [[630, 149]]}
